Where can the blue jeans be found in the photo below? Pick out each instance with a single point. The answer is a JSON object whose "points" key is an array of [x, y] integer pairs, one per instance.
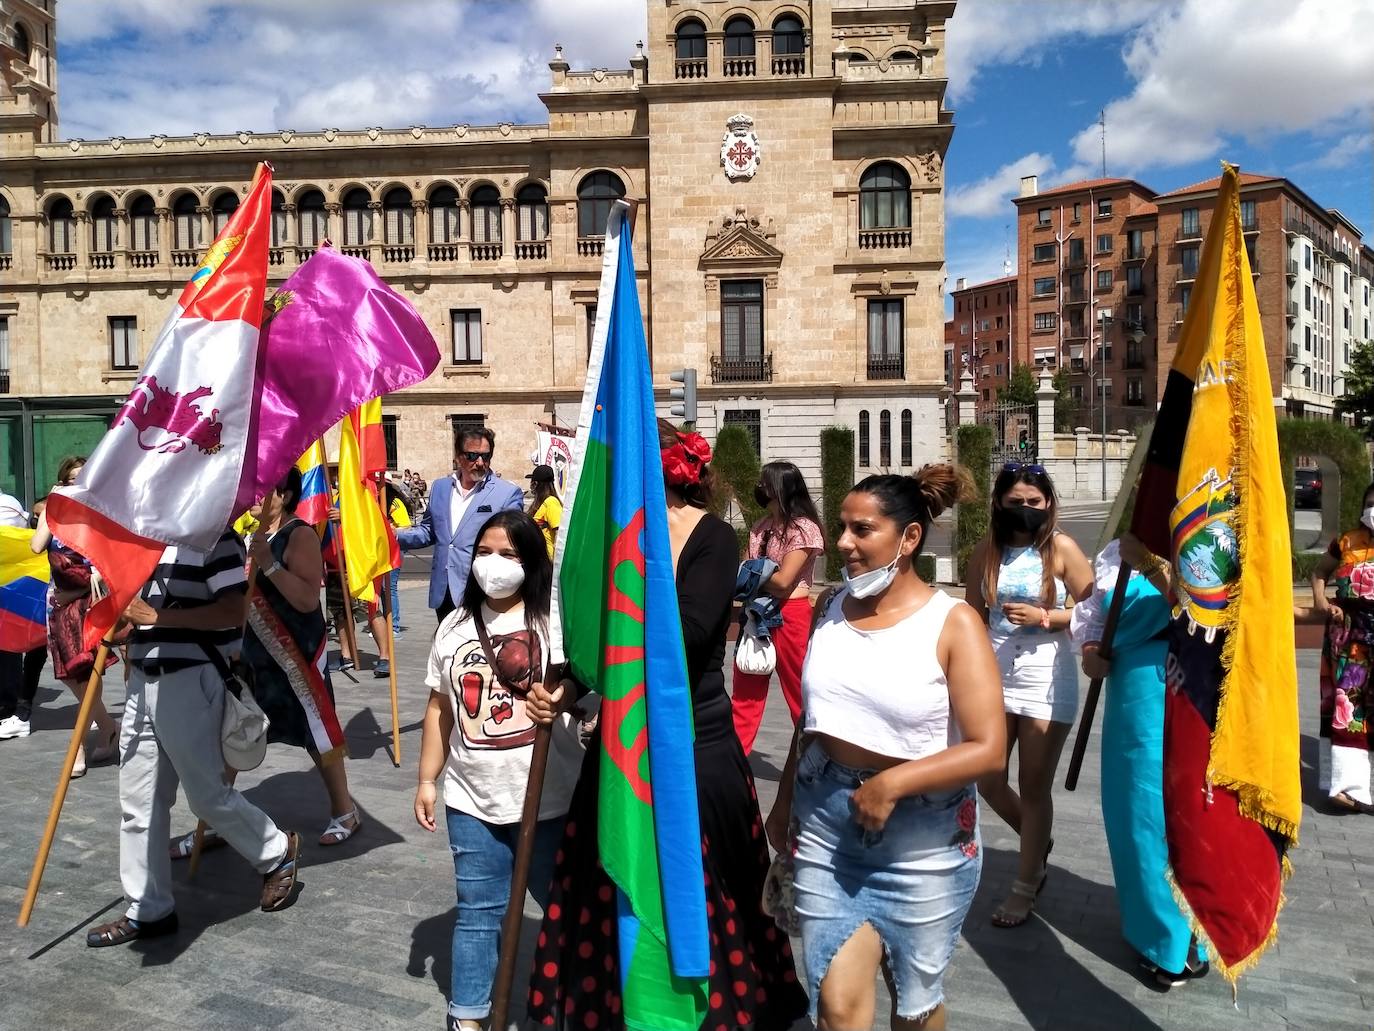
{"points": [[395, 601], [483, 857]]}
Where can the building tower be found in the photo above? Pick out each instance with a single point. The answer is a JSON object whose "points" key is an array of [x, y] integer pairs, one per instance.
{"points": [[28, 75]]}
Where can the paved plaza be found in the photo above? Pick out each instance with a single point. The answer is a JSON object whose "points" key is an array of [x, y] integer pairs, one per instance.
{"points": [[366, 944]]}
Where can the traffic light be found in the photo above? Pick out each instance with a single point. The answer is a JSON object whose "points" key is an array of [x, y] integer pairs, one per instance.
{"points": [[687, 394], [1023, 440]]}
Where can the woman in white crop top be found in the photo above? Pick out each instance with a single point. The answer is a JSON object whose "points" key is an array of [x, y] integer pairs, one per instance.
{"points": [[1019, 577], [902, 714]]}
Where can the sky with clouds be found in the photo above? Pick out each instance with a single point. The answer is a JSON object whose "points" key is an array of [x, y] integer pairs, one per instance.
{"points": [[1279, 86]]}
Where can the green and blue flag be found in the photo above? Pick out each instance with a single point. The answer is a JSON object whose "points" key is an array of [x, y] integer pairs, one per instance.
{"points": [[616, 623]]}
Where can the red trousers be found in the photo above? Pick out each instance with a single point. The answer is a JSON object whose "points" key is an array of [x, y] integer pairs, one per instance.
{"points": [[750, 690]]}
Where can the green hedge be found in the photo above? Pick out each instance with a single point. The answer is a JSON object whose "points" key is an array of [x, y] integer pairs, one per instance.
{"points": [[925, 568], [837, 476], [973, 447], [1343, 446], [736, 466]]}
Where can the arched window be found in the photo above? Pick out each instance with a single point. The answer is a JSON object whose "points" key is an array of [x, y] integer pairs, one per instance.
{"points": [[691, 41], [23, 44], [185, 223], [312, 219], [902, 55], [884, 438], [884, 197], [864, 454], [906, 438], [486, 215], [223, 209], [739, 37], [357, 228], [278, 219], [595, 195], [6, 233], [858, 57], [143, 224], [61, 229], [104, 237], [444, 222], [400, 217], [532, 207], [789, 40]]}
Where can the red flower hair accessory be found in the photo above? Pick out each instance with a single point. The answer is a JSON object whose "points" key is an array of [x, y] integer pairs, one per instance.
{"points": [[683, 461]]}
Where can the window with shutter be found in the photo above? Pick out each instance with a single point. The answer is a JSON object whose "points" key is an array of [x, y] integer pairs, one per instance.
{"points": [[103, 225], [884, 438], [864, 455], [486, 215], [467, 336], [357, 218], [906, 437], [741, 318]]}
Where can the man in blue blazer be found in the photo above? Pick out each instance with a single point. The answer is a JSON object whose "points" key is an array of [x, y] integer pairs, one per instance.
{"points": [[458, 506]]}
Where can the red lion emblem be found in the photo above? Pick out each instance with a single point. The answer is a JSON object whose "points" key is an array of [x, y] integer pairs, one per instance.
{"points": [[152, 407]]}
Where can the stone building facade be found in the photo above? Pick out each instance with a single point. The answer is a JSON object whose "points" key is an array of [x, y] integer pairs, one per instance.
{"points": [[788, 161]]}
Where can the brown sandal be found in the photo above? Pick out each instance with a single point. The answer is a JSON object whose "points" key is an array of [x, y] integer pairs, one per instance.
{"points": [[118, 932], [278, 884]]}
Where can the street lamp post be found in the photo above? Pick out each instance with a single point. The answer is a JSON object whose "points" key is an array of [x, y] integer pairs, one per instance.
{"points": [[1104, 321]]}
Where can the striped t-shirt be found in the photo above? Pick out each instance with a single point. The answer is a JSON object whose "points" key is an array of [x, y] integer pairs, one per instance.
{"points": [[186, 579]]}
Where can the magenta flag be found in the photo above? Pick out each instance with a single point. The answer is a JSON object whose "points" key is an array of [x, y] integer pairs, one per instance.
{"points": [[338, 337]]}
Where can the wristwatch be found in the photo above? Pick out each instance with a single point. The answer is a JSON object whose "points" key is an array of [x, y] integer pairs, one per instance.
{"points": [[274, 567]]}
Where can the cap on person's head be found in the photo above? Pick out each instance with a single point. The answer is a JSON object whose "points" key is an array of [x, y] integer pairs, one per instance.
{"points": [[541, 474]]}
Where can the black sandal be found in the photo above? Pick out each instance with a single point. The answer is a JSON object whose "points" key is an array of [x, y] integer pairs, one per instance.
{"points": [[124, 930]]}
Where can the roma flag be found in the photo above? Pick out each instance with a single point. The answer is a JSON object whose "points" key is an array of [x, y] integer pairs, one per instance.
{"points": [[24, 579], [370, 548], [615, 621], [1212, 497]]}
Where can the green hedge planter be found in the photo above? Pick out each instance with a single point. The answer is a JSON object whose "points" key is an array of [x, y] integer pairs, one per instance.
{"points": [[973, 448]]}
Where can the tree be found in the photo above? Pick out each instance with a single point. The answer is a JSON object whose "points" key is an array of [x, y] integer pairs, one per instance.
{"points": [[1020, 388], [1063, 404], [1358, 399]]}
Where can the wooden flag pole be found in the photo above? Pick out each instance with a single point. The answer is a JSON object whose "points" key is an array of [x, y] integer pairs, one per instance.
{"points": [[520, 872], [390, 639], [347, 628], [83, 720], [1104, 650], [265, 516]]}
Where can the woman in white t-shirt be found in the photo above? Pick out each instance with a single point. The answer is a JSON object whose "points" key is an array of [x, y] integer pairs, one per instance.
{"points": [[901, 715], [479, 739]]}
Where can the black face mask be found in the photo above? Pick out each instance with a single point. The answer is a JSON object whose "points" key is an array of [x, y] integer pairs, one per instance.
{"points": [[1020, 519], [761, 497]]}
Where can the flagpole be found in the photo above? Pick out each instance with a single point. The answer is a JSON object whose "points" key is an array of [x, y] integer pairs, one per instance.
{"points": [[83, 720], [390, 640], [1104, 652], [345, 631], [520, 872]]}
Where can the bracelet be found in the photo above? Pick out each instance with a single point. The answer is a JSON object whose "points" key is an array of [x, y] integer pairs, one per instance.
{"points": [[1045, 618], [1152, 565], [426, 782]]}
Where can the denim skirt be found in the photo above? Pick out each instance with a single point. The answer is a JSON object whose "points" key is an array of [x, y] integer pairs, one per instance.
{"points": [[913, 881]]}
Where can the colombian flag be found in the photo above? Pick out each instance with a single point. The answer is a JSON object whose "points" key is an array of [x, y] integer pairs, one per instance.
{"points": [[24, 580], [1211, 497]]}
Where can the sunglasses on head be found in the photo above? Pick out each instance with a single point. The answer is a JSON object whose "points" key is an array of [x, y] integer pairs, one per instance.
{"points": [[476, 456], [1018, 467]]}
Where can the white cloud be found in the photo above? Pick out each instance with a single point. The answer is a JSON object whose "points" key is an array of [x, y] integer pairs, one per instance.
{"points": [[991, 32], [1344, 152], [180, 66], [1211, 71], [992, 195]]}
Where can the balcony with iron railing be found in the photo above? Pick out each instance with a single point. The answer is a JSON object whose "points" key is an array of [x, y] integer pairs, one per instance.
{"points": [[1184, 275], [1292, 268], [1133, 361], [1076, 297], [1076, 261], [884, 239], [1134, 254], [1188, 232], [1292, 309], [4, 381], [886, 366], [740, 369]]}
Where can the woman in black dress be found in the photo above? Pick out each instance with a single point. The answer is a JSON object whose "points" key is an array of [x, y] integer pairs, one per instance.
{"points": [[752, 980]]}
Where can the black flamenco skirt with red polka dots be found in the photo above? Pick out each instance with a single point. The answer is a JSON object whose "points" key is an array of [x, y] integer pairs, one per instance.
{"points": [[753, 983]]}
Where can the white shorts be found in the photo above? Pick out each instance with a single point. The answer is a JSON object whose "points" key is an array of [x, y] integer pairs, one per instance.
{"points": [[1039, 676]]}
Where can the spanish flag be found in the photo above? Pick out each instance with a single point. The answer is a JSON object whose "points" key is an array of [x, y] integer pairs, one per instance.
{"points": [[369, 544], [1212, 497]]}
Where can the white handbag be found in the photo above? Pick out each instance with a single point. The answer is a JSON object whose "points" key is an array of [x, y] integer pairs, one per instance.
{"points": [[754, 654]]}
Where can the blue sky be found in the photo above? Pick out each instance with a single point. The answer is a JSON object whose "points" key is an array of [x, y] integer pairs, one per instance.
{"points": [[1279, 86]]}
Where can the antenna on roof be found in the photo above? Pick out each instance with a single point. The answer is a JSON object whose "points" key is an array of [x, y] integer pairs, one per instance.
{"points": [[1102, 124], [1006, 257]]}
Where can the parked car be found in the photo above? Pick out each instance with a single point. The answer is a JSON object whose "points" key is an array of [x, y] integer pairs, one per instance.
{"points": [[1307, 488]]}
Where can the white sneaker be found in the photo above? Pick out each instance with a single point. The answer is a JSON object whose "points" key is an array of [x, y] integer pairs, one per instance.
{"points": [[13, 726]]}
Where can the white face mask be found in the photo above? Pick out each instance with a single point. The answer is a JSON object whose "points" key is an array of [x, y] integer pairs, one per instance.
{"points": [[875, 581], [498, 576], [1368, 517]]}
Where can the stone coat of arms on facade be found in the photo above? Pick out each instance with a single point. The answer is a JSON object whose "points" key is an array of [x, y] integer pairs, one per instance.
{"points": [[740, 150]]}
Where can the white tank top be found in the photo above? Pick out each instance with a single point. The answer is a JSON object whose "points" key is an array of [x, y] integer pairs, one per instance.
{"points": [[883, 690]]}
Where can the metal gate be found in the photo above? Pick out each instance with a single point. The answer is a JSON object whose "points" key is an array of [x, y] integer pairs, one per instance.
{"points": [[1013, 433]]}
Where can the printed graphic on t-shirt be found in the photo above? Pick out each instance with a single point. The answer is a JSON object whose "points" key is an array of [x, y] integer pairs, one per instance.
{"points": [[490, 715]]}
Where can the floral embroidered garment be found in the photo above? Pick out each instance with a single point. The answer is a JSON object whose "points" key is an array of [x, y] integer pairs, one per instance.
{"points": [[1349, 648]]}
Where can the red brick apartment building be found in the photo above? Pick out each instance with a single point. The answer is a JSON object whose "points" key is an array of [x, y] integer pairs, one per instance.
{"points": [[981, 337]]}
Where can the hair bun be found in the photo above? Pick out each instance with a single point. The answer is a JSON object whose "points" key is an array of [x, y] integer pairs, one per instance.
{"points": [[942, 485]]}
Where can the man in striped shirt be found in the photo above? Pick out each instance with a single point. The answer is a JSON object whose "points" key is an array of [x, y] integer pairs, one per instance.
{"points": [[171, 734]]}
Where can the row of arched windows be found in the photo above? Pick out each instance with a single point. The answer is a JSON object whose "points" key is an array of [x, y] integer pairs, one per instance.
{"points": [[884, 440], [595, 194], [789, 37]]}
